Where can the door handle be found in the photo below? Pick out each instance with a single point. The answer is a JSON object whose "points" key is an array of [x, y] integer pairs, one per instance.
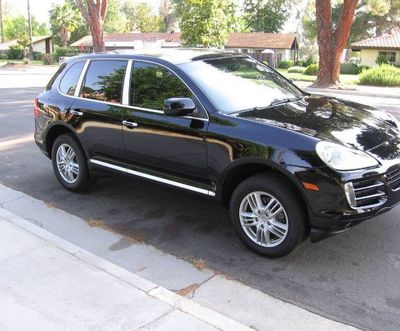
{"points": [[129, 124], [76, 112]]}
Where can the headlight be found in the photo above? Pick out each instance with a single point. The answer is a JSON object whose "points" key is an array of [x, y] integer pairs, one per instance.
{"points": [[342, 158]]}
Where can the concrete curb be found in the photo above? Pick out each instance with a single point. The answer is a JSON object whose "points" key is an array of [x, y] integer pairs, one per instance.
{"points": [[178, 302]]}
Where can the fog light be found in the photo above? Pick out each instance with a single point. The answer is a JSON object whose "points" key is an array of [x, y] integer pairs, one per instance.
{"points": [[350, 195]]}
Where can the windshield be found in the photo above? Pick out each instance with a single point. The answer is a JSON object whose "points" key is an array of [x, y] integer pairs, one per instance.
{"points": [[240, 83]]}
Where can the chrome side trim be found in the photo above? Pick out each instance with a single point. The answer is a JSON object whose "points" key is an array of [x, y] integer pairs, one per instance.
{"points": [[152, 177], [127, 81], [80, 80]]}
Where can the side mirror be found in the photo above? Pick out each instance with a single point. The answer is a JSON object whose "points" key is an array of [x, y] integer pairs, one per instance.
{"points": [[179, 106]]}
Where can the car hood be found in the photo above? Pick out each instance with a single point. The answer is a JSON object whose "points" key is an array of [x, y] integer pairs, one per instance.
{"points": [[330, 119]]}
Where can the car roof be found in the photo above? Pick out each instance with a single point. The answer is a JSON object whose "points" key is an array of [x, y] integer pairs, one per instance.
{"points": [[175, 56]]}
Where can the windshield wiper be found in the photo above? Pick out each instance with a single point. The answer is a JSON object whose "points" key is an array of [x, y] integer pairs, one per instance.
{"points": [[283, 101]]}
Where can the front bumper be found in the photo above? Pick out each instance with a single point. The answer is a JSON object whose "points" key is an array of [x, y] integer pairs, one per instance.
{"points": [[331, 211]]}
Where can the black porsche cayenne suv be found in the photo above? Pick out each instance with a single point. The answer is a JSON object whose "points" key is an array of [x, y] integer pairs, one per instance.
{"points": [[286, 163]]}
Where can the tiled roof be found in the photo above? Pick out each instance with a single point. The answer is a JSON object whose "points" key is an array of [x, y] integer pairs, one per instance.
{"points": [[236, 40], [387, 41], [261, 40]]}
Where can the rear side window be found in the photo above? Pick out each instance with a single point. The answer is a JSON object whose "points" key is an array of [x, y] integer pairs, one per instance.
{"points": [[104, 81], [70, 79], [151, 84]]}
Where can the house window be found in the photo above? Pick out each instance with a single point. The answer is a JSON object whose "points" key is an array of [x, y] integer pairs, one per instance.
{"points": [[390, 56]]}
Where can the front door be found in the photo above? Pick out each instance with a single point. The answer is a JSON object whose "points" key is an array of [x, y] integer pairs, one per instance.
{"points": [[169, 145]]}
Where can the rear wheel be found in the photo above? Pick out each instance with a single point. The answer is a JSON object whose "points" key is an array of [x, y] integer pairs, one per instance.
{"points": [[70, 163], [267, 215]]}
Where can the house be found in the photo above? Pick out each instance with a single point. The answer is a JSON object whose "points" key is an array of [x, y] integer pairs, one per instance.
{"points": [[272, 47], [42, 44], [387, 45], [134, 40]]}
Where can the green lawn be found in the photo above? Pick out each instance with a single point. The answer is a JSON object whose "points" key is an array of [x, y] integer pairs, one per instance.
{"points": [[344, 79], [21, 61]]}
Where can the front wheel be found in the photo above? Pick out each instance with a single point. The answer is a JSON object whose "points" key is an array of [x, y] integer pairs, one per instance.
{"points": [[267, 215]]}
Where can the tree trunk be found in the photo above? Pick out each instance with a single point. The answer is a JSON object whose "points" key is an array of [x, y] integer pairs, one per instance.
{"points": [[94, 15], [331, 42], [96, 30]]}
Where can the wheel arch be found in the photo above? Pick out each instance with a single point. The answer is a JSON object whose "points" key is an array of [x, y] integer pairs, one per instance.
{"points": [[54, 131], [240, 171]]}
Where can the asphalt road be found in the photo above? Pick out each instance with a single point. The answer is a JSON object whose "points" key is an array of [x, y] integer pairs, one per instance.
{"points": [[352, 277]]}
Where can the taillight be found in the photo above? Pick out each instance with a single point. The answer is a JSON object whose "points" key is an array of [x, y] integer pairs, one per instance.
{"points": [[36, 109]]}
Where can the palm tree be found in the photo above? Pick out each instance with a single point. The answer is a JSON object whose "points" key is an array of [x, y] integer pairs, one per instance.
{"points": [[67, 18]]}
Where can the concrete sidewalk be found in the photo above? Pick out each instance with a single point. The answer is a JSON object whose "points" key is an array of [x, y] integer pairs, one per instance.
{"points": [[47, 283]]}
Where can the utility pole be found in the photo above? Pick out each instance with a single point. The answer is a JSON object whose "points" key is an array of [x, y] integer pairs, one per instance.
{"points": [[1, 22], [30, 30]]}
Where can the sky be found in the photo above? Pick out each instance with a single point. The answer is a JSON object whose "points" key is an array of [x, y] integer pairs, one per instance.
{"points": [[40, 9]]}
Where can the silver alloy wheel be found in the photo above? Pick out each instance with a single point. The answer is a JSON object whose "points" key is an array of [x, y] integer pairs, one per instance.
{"points": [[67, 164], [263, 219]]}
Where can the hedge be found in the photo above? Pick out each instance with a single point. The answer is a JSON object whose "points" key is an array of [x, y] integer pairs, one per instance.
{"points": [[383, 75]]}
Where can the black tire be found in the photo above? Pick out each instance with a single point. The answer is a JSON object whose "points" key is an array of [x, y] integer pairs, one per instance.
{"points": [[83, 179], [293, 214]]}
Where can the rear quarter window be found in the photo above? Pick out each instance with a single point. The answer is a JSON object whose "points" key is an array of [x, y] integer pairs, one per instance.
{"points": [[70, 79]]}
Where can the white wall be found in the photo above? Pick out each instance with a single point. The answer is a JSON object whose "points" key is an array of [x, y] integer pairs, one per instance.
{"points": [[39, 46], [368, 56]]}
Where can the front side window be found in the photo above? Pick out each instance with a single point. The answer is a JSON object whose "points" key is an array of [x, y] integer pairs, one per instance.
{"points": [[104, 81], [151, 84], [70, 79], [239, 83]]}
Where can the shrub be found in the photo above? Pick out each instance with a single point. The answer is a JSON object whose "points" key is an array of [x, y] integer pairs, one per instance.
{"points": [[3, 56], [15, 52], [296, 69], [383, 75], [37, 56], [307, 62], [285, 64], [47, 59], [348, 68], [359, 69], [64, 51], [312, 70]]}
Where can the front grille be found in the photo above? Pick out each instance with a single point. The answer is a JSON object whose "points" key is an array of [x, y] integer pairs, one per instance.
{"points": [[393, 179], [369, 193]]}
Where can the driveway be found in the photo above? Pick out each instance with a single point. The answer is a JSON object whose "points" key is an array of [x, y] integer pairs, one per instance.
{"points": [[352, 277]]}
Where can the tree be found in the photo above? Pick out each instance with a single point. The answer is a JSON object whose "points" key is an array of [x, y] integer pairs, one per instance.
{"points": [[16, 26], [168, 16], [140, 17], [265, 15], [115, 20], [94, 13], [372, 18], [332, 39], [64, 19], [205, 22]]}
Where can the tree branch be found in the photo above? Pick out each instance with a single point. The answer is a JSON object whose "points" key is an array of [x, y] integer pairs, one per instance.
{"points": [[83, 10], [345, 22], [104, 5]]}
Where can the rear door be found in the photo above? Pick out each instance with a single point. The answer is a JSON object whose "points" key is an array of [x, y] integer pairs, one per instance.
{"points": [[173, 146], [98, 109]]}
